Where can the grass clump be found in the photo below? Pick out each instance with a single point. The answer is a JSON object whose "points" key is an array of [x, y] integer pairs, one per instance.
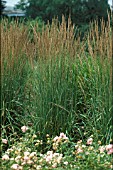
{"points": [[15, 67], [73, 94], [55, 83]]}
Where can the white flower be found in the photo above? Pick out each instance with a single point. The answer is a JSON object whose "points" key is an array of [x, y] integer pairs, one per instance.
{"points": [[59, 159], [62, 135], [32, 154], [4, 141], [17, 158], [49, 152], [9, 150], [56, 138], [29, 162], [76, 146], [15, 166], [108, 147], [26, 153], [5, 157], [101, 149], [79, 150], [83, 146], [54, 165], [80, 141], [49, 158], [26, 158], [24, 128], [38, 167], [55, 154], [65, 163], [89, 141]]}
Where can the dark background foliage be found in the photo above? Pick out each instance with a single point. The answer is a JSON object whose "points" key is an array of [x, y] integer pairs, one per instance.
{"points": [[2, 6], [81, 11]]}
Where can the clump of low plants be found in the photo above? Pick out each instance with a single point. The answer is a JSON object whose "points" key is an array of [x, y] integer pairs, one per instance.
{"points": [[60, 153]]}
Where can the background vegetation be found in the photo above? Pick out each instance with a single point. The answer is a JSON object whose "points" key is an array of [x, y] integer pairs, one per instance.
{"points": [[53, 82], [81, 11]]}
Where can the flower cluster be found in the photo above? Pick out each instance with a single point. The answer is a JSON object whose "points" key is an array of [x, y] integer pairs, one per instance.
{"points": [[89, 141], [26, 153], [53, 158], [109, 149], [24, 128], [92, 151], [59, 140], [4, 141]]}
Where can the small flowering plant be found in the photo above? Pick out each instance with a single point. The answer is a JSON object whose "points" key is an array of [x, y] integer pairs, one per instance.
{"points": [[24, 128], [60, 143], [28, 152], [4, 141]]}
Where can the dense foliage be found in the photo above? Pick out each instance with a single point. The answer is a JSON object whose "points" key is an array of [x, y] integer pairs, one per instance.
{"points": [[54, 80], [81, 11], [2, 6], [56, 98]]}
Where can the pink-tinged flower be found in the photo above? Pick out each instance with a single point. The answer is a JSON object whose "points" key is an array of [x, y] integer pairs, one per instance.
{"points": [[101, 149], [49, 158], [87, 153], [110, 151], [4, 141], [26, 158], [79, 150], [89, 141], [62, 135], [15, 166], [24, 128], [5, 157], [54, 165], [108, 147]]}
